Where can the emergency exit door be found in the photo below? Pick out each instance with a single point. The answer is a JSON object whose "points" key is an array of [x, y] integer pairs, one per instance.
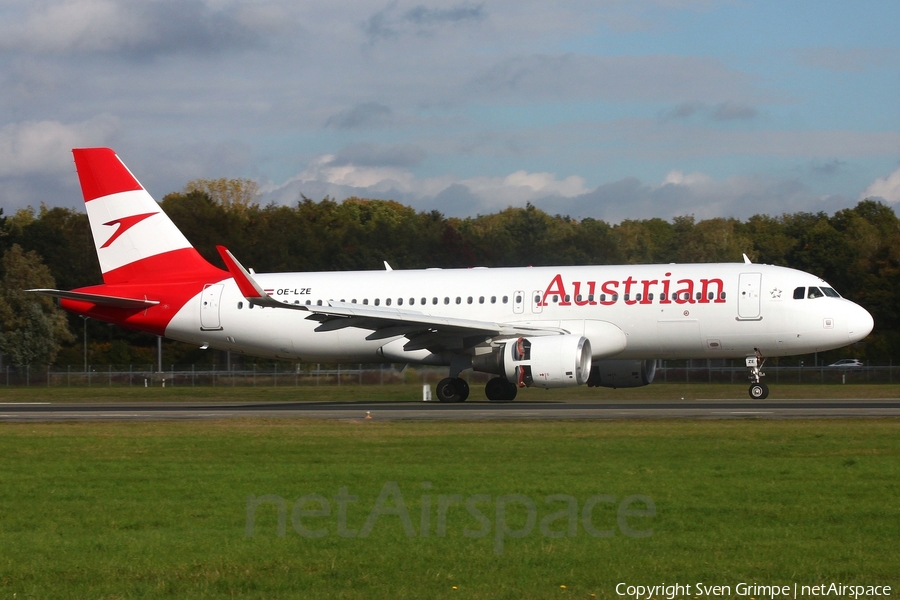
{"points": [[209, 306]]}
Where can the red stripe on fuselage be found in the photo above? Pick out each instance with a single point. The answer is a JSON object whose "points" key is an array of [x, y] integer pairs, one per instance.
{"points": [[101, 173], [171, 278]]}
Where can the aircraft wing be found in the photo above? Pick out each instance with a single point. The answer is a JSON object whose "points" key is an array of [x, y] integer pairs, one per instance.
{"points": [[423, 331]]}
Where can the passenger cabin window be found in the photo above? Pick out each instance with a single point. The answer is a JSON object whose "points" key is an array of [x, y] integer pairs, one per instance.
{"points": [[386, 302], [434, 300], [377, 301], [799, 293], [469, 300], [493, 299], [240, 305], [505, 299], [815, 292], [480, 299]]}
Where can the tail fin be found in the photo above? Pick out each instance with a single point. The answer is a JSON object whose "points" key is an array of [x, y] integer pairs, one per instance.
{"points": [[135, 240]]}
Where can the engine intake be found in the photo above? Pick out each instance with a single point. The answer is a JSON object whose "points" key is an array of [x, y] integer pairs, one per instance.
{"points": [[547, 362]]}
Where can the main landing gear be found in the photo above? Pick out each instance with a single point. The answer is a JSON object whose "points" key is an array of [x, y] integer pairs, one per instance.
{"points": [[452, 389], [758, 390], [455, 389], [499, 389]]}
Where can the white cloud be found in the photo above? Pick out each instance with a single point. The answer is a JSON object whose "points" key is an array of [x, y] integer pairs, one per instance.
{"points": [[676, 177], [143, 28], [885, 187], [679, 193], [44, 147]]}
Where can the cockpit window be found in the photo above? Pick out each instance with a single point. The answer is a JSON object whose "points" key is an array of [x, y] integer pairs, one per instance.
{"points": [[815, 292], [799, 293], [830, 292]]}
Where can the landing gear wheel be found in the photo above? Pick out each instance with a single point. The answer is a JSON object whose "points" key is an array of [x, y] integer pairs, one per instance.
{"points": [[463, 386], [494, 389], [759, 391], [500, 390], [452, 389]]}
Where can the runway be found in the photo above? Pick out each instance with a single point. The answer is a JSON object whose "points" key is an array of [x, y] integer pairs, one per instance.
{"points": [[428, 411]]}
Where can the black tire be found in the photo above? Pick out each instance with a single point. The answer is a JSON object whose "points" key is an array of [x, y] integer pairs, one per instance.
{"points": [[511, 391], [462, 386], [447, 390], [495, 389], [499, 389], [759, 391]]}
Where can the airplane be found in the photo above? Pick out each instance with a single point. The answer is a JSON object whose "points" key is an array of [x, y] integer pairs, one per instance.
{"points": [[545, 327]]}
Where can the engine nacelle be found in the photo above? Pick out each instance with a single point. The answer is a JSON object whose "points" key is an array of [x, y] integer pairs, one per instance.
{"points": [[548, 361], [622, 373]]}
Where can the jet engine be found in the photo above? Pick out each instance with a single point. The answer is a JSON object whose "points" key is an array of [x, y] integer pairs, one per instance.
{"points": [[622, 373], [547, 361]]}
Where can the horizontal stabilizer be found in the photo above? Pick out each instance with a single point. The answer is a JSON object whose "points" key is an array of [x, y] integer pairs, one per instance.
{"points": [[99, 299]]}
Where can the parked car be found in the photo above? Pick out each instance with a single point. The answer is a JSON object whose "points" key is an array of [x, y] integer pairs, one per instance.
{"points": [[847, 362]]}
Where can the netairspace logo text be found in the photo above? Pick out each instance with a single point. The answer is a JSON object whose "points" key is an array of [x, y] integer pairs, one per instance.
{"points": [[754, 590], [563, 515]]}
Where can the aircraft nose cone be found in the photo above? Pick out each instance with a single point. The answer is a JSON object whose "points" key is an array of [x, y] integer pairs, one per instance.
{"points": [[860, 323]]}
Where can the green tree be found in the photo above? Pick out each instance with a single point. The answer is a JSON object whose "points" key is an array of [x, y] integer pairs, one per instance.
{"points": [[235, 194], [31, 326]]}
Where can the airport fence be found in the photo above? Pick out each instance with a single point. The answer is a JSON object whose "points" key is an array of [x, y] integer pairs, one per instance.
{"points": [[336, 375]]}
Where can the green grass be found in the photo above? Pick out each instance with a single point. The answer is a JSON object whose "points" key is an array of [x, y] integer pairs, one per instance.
{"points": [[158, 510], [656, 392]]}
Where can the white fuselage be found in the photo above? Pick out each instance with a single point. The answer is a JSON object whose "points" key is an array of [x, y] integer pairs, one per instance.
{"points": [[671, 311]]}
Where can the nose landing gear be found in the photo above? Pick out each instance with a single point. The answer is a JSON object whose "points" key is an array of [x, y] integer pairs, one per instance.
{"points": [[758, 390]]}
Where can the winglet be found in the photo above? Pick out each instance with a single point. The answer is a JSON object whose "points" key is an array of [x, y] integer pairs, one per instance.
{"points": [[245, 282], [248, 286]]}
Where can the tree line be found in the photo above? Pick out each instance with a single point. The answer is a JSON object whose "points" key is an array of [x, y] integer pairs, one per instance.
{"points": [[857, 250]]}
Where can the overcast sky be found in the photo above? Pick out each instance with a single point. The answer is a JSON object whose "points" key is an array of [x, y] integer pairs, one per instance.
{"points": [[604, 108]]}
